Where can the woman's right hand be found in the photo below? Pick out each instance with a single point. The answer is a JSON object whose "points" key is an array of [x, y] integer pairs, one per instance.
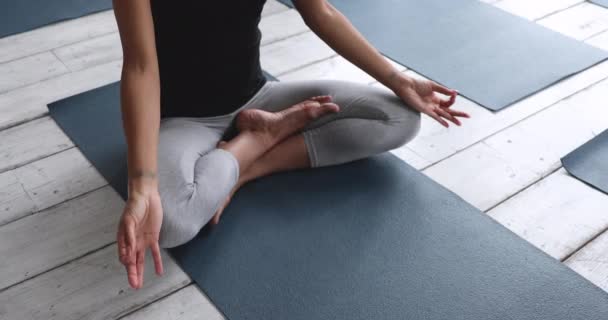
{"points": [[138, 230]]}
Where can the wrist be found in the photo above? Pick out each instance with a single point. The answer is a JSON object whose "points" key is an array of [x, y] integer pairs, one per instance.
{"points": [[143, 181], [400, 83]]}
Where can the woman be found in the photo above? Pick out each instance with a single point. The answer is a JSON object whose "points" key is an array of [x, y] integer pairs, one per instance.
{"points": [[191, 71]]}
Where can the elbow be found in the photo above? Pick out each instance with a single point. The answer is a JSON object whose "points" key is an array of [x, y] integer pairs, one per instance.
{"points": [[316, 16], [138, 65]]}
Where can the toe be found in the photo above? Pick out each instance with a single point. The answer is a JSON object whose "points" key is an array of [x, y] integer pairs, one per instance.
{"points": [[322, 99], [327, 108]]}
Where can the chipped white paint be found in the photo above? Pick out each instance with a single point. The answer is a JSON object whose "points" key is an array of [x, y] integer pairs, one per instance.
{"points": [[92, 287], [62, 176], [31, 141], [58, 235]]}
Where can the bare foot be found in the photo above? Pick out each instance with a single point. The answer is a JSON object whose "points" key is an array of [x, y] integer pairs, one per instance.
{"points": [[279, 125]]}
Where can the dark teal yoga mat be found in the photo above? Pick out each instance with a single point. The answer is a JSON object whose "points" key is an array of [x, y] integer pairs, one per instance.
{"points": [[603, 3], [18, 16], [589, 163], [373, 239], [492, 57]]}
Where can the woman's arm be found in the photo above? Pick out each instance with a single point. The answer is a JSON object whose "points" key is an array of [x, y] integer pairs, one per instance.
{"points": [[337, 31], [140, 89], [140, 105]]}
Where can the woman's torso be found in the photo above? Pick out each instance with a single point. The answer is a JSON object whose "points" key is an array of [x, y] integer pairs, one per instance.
{"points": [[208, 55]]}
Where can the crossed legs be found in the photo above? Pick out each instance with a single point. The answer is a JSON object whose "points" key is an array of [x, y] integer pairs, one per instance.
{"points": [[313, 134]]}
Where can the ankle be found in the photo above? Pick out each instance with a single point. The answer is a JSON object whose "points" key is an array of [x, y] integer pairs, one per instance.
{"points": [[266, 139]]}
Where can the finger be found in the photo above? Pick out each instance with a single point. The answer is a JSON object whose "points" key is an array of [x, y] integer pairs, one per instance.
{"points": [[122, 246], [216, 218], [457, 113], [132, 274], [158, 261], [449, 102], [140, 268], [444, 90], [448, 116], [130, 237], [438, 119]]}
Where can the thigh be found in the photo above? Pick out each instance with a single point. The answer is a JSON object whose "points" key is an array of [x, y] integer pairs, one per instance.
{"points": [[355, 100], [195, 177], [182, 141]]}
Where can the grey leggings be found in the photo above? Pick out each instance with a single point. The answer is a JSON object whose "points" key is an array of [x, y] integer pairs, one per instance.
{"points": [[195, 177]]}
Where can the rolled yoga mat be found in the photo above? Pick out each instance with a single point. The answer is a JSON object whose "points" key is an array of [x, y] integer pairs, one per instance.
{"points": [[372, 239], [589, 163], [18, 16], [492, 57]]}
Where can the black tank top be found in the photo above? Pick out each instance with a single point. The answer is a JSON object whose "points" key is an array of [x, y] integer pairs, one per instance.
{"points": [[208, 55]]}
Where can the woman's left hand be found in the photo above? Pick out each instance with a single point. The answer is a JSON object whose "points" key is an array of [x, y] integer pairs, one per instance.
{"points": [[423, 95]]}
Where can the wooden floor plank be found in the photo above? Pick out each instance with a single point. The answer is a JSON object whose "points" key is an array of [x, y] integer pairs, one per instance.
{"points": [[58, 235], [600, 40], [31, 141], [334, 68], [579, 22], [92, 287], [558, 215], [410, 157], [14, 200], [28, 70], [272, 6], [280, 26], [23, 104], [463, 175], [533, 10], [92, 52], [435, 143], [56, 35], [46, 182], [186, 304], [592, 261], [295, 52], [50, 181], [520, 155]]}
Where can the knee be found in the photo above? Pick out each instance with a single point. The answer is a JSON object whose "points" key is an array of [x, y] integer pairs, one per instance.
{"points": [[404, 128], [174, 232], [176, 228]]}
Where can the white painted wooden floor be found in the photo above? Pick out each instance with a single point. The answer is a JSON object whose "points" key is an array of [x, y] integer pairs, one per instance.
{"points": [[58, 215]]}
